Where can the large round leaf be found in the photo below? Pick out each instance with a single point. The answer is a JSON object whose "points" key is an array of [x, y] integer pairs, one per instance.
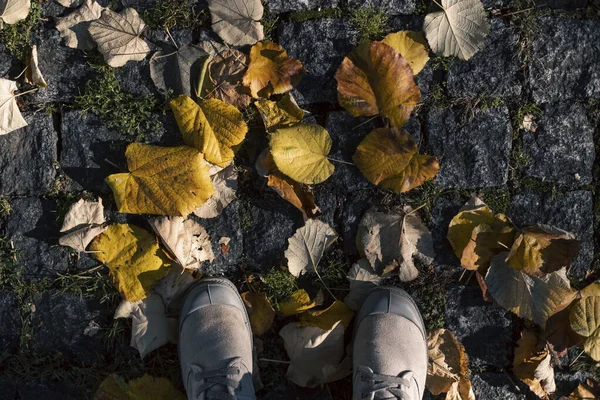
{"points": [[237, 21], [585, 320]]}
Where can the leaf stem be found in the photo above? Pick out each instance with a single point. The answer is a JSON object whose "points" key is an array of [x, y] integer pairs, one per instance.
{"points": [[340, 161], [25, 92], [274, 361], [576, 358], [438, 4], [323, 282]]}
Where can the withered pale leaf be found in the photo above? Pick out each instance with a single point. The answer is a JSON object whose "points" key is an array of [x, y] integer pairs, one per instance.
{"points": [[225, 184], [10, 115], [33, 75], [74, 27], [225, 74], [237, 22], [13, 11], [307, 245], [362, 280], [83, 222]]}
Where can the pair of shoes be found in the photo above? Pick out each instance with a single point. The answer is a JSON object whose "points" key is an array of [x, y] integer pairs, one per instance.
{"points": [[215, 345]]}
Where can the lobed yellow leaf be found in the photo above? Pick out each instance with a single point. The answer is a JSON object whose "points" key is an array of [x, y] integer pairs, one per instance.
{"points": [[296, 303], [326, 319], [213, 127], [261, 311], [162, 180], [279, 114], [410, 45], [146, 387], [133, 258]]}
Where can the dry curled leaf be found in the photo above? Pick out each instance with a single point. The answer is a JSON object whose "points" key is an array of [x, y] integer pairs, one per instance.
{"points": [[118, 36], [326, 319], [83, 222], [299, 195], [237, 22], [33, 75], [585, 319], [590, 390], [162, 180], [389, 158], [179, 72], [458, 30], [261, 311], [185, 239], [300, 152], [74, 27], [213, 127], [529, 123], [307, 245], [375, 79], [297, 302], [225, 184], [271, 71], [279, 114], [146, 387], [530, 297], [13, 11], [362, 280], [532, 364], [225, 73], [133, 258], [410, 45], [393, 239], [10, 115]]}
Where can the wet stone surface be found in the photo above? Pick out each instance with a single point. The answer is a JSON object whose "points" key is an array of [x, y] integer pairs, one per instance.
{"points": [[562, 148], [473, 150]]}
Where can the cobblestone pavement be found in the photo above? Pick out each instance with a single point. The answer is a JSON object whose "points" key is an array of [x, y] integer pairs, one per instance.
{"points": [[541, 57]]}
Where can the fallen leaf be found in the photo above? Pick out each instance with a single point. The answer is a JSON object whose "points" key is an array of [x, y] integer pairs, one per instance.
{"points": [[279, 114], [185, 239], [13, 11], [10, 116], [300, 152], [179, 72], [237, 22], [172, 289], [585, 320], [224, 183], [375, 79], [261, 311], [410, 45], [297, 302], [271, 71], [148, 323], [83, 222], [224, 243], [225, 74], [33, 75], [447, 370], [264, 163], [586, 391], [213, 127], [458, 30], [307, 245], [532, 364], [146, 387], [543, 248], [133, 258], [477, 234], [326, 319], [69, 3], [162, 180], [483, 286], [74, 28], [118, 36], [529, 123], [558, 333], [310, 350], [299, 195], [392, 239], [529, 297], [389, 158], [212, 47], [362, 280]]}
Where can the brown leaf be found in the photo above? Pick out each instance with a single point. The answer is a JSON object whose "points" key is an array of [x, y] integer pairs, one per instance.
{"points": [[532, 364], [298, 194], [225, 73], [448, 366], [559, 334]]}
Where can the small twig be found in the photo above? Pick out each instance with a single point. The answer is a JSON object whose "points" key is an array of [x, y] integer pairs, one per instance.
{"points": [[576, 358], [21, 74], [416, 209], [274, 361], [112, 163], [340, 161], [438, 4], [171, 37], [26, 92], [462, 275], [366, 122]]}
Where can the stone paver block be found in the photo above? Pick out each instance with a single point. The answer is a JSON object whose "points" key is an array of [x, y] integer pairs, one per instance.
{"points": [[10, 321], [562, 148], [565, 60], [494, 71], [66, 70], [392, 7], [498, 386], [572, 212], [62, 323], [563, 4], [473, 153], [281, 6], [441, 214], [320, 45], [134, 77], [484, 330], [495, 3], [28, 157], [32, 228]]}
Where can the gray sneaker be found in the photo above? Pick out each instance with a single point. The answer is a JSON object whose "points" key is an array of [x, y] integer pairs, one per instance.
{"points": [[215, 343], [390, 347]]}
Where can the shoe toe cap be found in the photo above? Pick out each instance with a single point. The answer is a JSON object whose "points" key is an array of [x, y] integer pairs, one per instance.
{"points": [[213, 292]]}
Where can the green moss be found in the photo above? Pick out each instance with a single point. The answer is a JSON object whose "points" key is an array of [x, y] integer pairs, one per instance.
{"points": [[17, 37], [5, 207], [371, 23], [122, 111], [88, 285], [175, 13], [269, 27], [498, 199], [438, 97], [441, 63], [485, 103], [424, 196], [301, 16], [280, 284]]}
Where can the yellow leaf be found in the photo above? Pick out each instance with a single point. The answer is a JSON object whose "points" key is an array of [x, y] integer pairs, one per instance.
{"points": [[326, 319], [448, 363], [532, 364], [144, 388], [133, 257], [271, 71], [162, 180], [279, 114], [297, 302], [300, 152], [375, 79], [213, 127], [585, 321], [410, 45], [586, 391], [543, 248], [389, 157], [262, 313]]}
